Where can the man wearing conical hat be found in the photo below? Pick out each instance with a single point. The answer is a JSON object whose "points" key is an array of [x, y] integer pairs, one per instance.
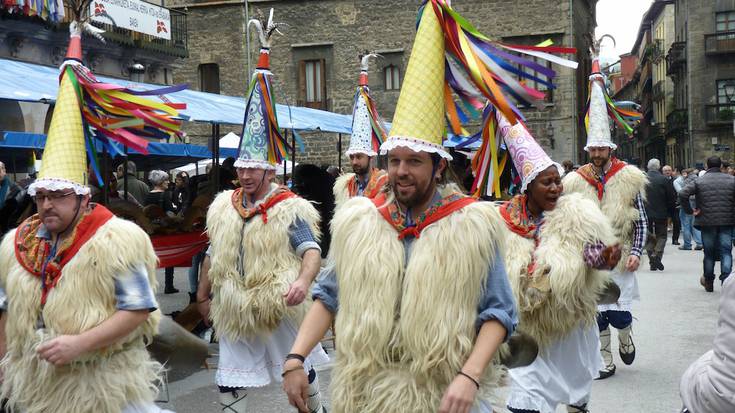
{"points": [[367, 135], [557, 266], [417, 288], [262, 259], [76, 283], [617, 188]]}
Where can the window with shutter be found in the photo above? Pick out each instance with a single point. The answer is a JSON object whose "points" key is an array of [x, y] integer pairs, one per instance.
{"points": [[209, 78], [312, 83]]}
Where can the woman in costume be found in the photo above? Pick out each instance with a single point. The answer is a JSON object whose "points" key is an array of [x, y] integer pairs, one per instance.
{"points": [[555, 263]]}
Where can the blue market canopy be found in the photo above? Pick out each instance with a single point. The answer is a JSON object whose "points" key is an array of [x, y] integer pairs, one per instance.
{"points": [[161, 155], [35, 83]]}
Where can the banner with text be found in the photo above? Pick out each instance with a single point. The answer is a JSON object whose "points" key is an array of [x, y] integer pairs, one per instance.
{"points": [[134, 15]]}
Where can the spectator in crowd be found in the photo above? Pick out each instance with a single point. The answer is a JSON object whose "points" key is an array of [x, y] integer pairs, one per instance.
{"points": [[672, 174], [161, 196], [660, 205], [708, 384], [181, 194], [687, 220], [714, 194], [136, 187], [333, 171], [7, 186], [568, 167]]}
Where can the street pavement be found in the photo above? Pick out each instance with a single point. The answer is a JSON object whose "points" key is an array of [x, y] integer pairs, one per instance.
{"points": [[674, 324]]}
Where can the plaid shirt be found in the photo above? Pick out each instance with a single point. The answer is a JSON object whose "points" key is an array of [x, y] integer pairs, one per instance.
{"points": [[640, 229]]}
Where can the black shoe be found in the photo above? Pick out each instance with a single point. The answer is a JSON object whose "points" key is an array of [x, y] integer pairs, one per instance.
{"points": [[608, 371], [707, 284], [675, 243], [699, 248], [653, 266], [170, 290], [659, 264], [685, 248], [627, 358]]}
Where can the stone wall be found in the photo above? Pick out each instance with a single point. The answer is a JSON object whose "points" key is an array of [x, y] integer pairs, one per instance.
{"points": [[340, 31]]}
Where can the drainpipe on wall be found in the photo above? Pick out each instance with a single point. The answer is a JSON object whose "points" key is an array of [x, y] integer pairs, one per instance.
{"points": [[575, 115], [689, 91]]}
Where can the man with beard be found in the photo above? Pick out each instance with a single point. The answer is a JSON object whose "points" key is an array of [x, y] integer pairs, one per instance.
{"points": [[367, 135], [263, 257], [416, 288], [617, 189]]}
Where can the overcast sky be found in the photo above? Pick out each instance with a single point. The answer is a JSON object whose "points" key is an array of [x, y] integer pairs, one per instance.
{"points": [[621, 19]]}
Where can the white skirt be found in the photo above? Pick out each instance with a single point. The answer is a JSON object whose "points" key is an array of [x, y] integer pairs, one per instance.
{"points": [[144, 408], [628, 283], [256, 362], [561, 374]]}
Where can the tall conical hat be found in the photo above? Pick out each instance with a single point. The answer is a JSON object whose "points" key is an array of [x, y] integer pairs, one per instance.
{"points": [[368, 132], [528, 156], [261, 146], [419, 122], [600, 107], [86, 109]]}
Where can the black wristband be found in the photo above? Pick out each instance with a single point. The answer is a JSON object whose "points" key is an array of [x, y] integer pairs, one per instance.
{"points": [[294, 356], [477, 384]]}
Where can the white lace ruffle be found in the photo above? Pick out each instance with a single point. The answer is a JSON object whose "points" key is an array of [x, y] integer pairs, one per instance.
{"points": [[57, 184], [416, 145], [537, 170], [600, 144], [254, 164], [354, 151]]}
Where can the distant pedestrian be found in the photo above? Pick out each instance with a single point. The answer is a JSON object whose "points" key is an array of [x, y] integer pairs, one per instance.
{"points": [[687, 220], [714, 194], [660, 205], [568, 167], [135, 186], [671, 174]]}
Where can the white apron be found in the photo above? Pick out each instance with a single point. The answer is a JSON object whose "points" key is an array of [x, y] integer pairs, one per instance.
{"points": [[561, 374], [628, 283]]}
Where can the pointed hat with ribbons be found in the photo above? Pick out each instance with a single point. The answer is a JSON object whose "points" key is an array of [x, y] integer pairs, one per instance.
{"points": [[262, 146], [368, 131]]}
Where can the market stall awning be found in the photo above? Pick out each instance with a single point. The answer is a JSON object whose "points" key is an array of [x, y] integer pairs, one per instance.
{"points": [[35, 83], [161, 155]]}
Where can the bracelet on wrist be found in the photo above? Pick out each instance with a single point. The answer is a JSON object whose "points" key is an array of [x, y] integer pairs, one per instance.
{"points": [[203, 301], [477, 383], [294, 356], [285, 372]]}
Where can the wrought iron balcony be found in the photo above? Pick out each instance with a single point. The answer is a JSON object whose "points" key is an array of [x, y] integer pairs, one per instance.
{"points": [[722, 114], [719, 43], [676, 58]]}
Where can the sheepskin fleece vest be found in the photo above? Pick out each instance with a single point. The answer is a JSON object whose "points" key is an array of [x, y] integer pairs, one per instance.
{"points": [[251, 304], [617, 204], [407, 327], [101, 381], [378, 179], [563, 290]]}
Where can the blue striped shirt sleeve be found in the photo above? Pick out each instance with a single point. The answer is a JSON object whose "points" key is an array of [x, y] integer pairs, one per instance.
{"points": [[133, 291]]}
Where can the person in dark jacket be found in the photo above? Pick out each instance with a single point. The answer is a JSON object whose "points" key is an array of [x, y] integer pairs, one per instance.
{"points": [[135, 186], [660, 205], [161, 196], [181, 193], [714, 194]]}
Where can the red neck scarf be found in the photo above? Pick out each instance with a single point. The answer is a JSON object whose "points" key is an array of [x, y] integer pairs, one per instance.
{"points": [[516, 217], [279, 194], [375, 183], [441, 209], [32, 252], [587, 172]]}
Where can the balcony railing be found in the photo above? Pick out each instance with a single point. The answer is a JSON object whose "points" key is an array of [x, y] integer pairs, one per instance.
{"points": [[658, 91], [676, 122], [677, 57], [722, 114], [176, 46], [719, 43]]}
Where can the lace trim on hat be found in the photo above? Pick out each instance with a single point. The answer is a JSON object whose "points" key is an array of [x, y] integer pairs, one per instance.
{"points": [[362, 151], [416, 145], [57, 184], [537, 170], [600, 144], [254, 164]]}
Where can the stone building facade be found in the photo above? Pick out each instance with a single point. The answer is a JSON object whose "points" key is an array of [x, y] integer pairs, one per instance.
{"points": [[316, 62], [701, 62]]}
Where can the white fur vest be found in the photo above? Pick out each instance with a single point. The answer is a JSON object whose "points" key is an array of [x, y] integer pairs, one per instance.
{"points": [[249, 304], [406, 322], [101, 381], [617, 204], [563, 291], [341, 190]]}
